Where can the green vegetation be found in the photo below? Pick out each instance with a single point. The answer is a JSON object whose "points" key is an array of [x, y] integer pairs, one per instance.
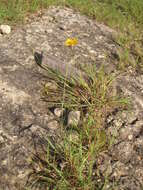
{"points": [[70, 163], [89, 93], [116, 13]]}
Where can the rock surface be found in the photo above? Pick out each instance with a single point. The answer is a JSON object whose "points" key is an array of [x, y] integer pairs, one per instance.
{"points": [[74, 118], [5, 29], [24, 118]]}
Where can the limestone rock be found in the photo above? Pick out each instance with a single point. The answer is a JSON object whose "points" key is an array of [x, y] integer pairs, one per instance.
{"points": [[58, 112], [5, 29], [73, 117], [53, 125], [124, 151], [126, 132]]}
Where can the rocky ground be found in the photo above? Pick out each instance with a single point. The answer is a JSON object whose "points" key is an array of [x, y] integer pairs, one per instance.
{"points": [[24, 117]]}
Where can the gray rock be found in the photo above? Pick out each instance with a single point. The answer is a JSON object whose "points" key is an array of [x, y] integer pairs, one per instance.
{"points": [[130, 137], [5, 29], [139, 174], [131, 131], [125, 132], [53, 125], [131, 117], [1, 140], [139, 142], [120, 170], [124, 151], [113, 131], [73, 117], [138, 128], [58, 112], [118, 123]]}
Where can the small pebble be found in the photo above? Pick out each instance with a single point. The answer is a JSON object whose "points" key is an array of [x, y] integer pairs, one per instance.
{"points": [[74, 118], [5, 29], [53, 125], [58, 112], [130, 137]]}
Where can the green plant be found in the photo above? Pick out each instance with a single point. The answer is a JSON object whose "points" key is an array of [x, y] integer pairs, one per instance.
{"points": [[69, 162], [89, 92], [67, 165]]}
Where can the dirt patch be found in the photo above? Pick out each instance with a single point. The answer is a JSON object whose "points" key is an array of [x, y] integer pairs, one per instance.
{"points": [[24, 118]]}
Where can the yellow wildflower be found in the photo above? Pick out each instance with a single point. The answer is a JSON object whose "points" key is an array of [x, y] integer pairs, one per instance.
{"points": [[71, 42]]}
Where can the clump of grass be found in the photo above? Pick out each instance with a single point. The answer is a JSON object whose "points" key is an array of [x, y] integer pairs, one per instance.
{"points": [[131, 53], [70, 161], [68, 165], [89, 94], [127, 18]]}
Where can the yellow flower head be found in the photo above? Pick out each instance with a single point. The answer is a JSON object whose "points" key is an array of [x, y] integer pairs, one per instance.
{"points": [[71, 42]]}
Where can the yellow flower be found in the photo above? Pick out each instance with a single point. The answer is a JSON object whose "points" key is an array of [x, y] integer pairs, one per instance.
{"points": [[71, 42]]}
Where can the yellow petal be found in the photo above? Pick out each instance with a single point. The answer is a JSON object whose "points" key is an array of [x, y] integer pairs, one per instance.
{"points": [[71, 42]]}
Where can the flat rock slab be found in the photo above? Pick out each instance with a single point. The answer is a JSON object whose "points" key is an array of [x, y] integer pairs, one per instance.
{"points": [[24, 118]]}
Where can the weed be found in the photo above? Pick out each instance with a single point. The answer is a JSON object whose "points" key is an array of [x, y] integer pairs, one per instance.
{"points": [[70, 163], [88, 93]]}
